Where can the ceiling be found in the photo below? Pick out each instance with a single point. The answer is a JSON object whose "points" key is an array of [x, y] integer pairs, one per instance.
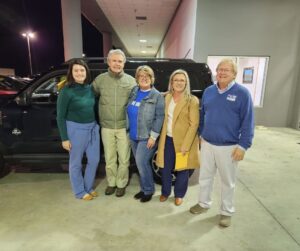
{"points": [[137, 26]]}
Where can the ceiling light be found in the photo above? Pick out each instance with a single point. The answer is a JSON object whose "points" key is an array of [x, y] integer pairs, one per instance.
{"points": [[141, 18], [143, 51], [143, 40]]}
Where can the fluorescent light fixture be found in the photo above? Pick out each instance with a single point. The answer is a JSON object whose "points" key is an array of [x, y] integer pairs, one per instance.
{"points": [[143, 51], [143, 40]]}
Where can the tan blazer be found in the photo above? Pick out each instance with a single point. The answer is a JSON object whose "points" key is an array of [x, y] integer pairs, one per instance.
{"points": [[184, 129]]}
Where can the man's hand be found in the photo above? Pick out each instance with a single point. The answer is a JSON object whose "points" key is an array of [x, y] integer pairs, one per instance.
{"points": [[238, 154], [66, 145]]}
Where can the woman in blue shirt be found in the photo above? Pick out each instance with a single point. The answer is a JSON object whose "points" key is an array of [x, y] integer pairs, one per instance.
{"points": [[145, 112]]}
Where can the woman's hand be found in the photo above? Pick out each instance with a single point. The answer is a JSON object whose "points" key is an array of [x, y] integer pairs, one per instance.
{"points": [[66, 145], [183, 151], [150, 143]]}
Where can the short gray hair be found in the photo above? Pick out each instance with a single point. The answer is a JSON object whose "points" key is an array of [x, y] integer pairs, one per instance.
{"points": [[116, 51]]}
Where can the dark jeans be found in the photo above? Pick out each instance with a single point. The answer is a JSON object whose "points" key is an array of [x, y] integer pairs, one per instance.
{"points": [[182, 177]]}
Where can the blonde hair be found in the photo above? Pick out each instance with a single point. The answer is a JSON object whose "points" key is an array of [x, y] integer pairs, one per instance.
{"points": [[187, 89], [146, 69], [230, 62]]}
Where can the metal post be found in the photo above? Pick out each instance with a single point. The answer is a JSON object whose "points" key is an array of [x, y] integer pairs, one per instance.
{"points": [[29, 53]]}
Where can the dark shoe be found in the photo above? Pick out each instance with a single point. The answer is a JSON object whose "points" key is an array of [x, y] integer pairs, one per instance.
{"points": [[162, 198], [110, 190], [120, 191], [197, 209], [178, 201], [139, 195], [146, 198]]}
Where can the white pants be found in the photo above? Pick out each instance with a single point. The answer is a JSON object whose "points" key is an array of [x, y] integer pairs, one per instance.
{"points": [[213, 158]]}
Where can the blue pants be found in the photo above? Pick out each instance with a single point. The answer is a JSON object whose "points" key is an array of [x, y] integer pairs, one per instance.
{"points": [[143, 157], [84, 138], [182, 177]]}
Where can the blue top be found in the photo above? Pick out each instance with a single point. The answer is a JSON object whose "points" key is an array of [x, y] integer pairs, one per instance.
{"points": [[133, 110], [145, 114], [227, 118]]}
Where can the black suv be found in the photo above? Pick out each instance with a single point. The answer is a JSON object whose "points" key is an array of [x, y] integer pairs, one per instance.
{"points": [[28, 129]]}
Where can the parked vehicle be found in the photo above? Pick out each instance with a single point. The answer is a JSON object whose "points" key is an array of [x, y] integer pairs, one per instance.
{"points": [[10, 86], [28, 130]]}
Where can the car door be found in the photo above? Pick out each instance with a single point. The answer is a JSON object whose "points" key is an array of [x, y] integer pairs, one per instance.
{"points": [[40, 133]]}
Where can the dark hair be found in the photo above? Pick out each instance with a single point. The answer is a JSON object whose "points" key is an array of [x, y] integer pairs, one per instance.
{"points": [[70, 79]]}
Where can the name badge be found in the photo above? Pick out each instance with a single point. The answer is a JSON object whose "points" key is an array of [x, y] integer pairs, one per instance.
{"points": [[231, 97]]}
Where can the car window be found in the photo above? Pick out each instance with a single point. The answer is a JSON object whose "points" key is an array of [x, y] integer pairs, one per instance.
{"points": [[47, 92]]}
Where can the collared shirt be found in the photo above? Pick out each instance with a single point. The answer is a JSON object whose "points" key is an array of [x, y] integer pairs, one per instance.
{"points": [[227, 88]]}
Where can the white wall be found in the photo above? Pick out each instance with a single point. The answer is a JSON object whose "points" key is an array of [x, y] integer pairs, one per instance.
{"points": [[179, 41], [250, 28], [72, 30]]}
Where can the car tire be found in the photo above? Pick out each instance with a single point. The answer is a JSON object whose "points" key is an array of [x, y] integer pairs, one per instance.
{"points": [[157, 172]]}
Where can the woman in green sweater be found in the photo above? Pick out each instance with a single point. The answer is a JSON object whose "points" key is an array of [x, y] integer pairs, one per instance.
{"points": [[78, 128]]}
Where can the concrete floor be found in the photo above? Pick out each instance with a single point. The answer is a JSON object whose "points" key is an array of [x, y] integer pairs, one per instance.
{"points": [[38, 211]]}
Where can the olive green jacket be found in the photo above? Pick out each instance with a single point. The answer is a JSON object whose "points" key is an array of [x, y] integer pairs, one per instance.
{"points": [[113, 91]]}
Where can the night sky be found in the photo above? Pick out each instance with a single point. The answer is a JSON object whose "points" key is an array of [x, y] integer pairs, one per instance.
{"points": [[44, 18]]}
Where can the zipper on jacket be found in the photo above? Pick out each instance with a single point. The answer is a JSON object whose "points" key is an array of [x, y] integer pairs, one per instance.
{"points": [[116, 105]]}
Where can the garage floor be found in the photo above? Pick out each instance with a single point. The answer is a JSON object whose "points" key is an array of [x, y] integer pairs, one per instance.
{"points": [[38, 211]]}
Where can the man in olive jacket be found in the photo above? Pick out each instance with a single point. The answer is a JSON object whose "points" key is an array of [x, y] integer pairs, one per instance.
{"points": [[113, 88]]}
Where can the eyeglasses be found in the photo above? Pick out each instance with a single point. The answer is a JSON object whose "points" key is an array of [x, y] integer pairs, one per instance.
{"points": [[144, 76], [223, 70]]}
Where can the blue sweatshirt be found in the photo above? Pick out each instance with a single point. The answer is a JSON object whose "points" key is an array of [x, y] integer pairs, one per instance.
{"points": [[227, 118]]}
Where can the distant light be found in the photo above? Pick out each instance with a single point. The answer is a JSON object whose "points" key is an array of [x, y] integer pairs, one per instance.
{"points": [[143, 52], [83, 55], [28, 34], [143, 40]]}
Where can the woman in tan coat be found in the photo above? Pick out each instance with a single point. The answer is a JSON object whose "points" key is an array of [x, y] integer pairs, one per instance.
{"points": [[178, 137]]}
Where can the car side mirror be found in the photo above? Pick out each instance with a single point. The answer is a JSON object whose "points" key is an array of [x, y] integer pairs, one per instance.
{"points": [[23, 99]]}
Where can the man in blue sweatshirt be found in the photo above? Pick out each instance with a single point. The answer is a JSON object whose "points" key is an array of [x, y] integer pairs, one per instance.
{"points": [[226, 131]]}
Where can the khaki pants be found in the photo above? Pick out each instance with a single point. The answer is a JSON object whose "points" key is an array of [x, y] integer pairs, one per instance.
{"points": [[117, 156]]}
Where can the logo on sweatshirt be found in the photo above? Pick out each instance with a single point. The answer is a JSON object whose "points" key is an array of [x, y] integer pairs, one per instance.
{"points": [[134, 103], [231, 97]]}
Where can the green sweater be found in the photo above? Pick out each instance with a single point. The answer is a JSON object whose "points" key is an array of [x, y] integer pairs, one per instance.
{"points": [[77, 104], [113, 90]]}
